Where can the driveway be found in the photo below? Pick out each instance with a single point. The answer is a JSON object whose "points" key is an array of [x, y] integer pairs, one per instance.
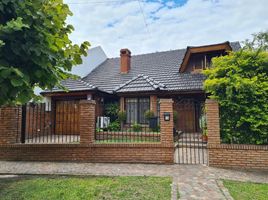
{"points": [[193, 181]]}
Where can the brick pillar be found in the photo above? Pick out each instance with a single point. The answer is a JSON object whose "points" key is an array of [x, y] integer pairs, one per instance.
{"points": [[87, 121], [166, 106], [122, 103], [153, 104], [213, 121], [10, 120]]}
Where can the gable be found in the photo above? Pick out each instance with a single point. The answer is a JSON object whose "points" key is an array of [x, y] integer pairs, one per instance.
{"points": [[200, 56], [141, 83]]}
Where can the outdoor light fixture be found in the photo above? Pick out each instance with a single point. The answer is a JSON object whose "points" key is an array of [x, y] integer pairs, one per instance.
{"points": [[167, 116]]}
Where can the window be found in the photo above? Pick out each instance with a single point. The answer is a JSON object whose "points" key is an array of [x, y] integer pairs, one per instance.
{"points": [[135, 109]]}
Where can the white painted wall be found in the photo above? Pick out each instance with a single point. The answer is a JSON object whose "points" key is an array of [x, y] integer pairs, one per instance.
{"points": [[95, 57]]}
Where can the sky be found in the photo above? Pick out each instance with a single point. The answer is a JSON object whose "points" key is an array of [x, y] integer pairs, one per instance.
{"points": [[147, 26]]}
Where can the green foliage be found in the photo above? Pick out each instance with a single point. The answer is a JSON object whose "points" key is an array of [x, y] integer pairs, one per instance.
{"points": [[239, 81], [149, 114], [35, 49], [122, 116], [156, 129], [114, 126], [203, 122], [111, 110], [259, 42], [136, 127]]}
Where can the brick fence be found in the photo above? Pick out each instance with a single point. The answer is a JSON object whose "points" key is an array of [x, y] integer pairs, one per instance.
{"points": [[231, 155], [88, 150]]}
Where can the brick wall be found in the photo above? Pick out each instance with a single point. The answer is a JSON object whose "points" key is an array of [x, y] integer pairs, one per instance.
{"points": [[231, 155], [9, 124], [87, 150], [110, 153], [238, 156]]}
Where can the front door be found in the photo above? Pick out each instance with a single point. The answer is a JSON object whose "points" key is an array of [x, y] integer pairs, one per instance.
{"points": [[189, 112]]}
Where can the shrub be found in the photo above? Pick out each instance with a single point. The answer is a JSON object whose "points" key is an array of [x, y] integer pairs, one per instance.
{"points": [[111, 110], [149, 114], [122, 116], [114, 126], [239, 82], [136, 127], [156, 129], [203, 122]]}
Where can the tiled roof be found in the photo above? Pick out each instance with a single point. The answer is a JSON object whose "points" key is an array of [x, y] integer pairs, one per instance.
{"points": [[73, 85], [140, 83], [160, 68]]}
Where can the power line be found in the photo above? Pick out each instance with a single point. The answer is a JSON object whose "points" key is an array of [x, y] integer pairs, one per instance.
{"points": [[112, 2], [144, 18]]}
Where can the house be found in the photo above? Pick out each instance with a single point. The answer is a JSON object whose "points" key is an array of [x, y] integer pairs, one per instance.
{"points": [[137, 82]]}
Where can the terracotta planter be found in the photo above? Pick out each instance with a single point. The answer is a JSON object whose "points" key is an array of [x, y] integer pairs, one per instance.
{"points": [[204, 138]]}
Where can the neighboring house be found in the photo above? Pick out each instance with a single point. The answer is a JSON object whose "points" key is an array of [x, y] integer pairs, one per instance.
{"points": [[137, 82], [95, 56]]}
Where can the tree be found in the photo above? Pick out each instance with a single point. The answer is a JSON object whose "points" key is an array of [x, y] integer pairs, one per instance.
{"points": [[239, 81], [35, 49]]}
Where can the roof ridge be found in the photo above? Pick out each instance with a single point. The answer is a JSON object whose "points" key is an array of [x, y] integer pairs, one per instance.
{"points": [[154, 83], [179, 49], [142, 54]]}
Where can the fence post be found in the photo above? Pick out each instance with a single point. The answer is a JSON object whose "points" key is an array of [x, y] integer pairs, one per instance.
{"points": [[23, 123], [10, 119], [166, 108], [87, 121], [213, 121]]}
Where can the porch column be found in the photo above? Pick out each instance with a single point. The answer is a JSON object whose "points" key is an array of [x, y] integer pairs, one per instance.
{"points": [[122, 103], [166, 107], [153, 104], [87, 121], [213, 121]]}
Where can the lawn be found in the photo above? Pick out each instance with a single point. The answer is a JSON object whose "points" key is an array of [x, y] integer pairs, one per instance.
{"points": [[247, 190], [86, 187]]}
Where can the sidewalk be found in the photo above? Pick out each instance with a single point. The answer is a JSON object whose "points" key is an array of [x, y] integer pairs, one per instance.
{"points": [[193, 181]]}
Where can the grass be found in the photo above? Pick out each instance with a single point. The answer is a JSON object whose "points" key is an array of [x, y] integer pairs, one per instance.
{"points": [[246, 190], [89, 187]]}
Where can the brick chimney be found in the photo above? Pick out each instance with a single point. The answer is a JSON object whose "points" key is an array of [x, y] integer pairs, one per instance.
{"points": [[125, 55]]}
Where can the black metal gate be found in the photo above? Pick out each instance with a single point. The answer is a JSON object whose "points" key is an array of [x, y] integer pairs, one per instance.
{"points": [[191, 148], [190, 137]]}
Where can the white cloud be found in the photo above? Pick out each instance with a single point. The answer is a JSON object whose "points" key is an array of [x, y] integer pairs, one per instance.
{"points": [[119, 25]]}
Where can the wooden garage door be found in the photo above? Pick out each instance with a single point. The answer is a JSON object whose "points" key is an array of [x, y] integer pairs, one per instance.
{"points": [[67, 117]]}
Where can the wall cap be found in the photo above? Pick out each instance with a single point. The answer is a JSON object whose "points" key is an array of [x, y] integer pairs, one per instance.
{"points": [[238, 146], [111, 145], [166, 101], [211, 101]]}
